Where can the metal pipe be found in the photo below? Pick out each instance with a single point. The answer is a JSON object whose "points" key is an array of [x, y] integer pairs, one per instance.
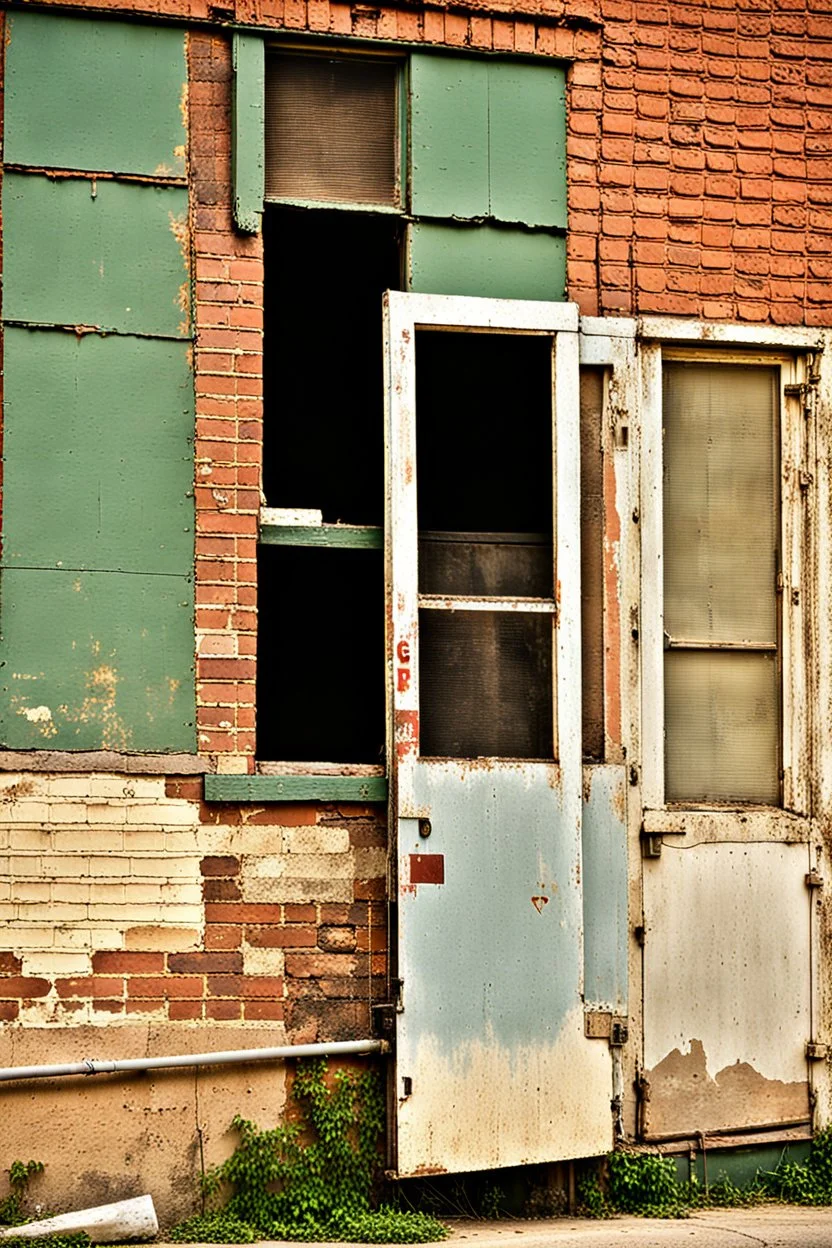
{"points": [[338, 1048]]}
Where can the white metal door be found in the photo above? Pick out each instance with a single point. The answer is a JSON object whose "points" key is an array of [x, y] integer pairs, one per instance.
{"points": [[492, 1064]]}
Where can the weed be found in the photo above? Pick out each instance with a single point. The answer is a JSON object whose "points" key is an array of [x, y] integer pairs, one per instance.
{"points": [[312, 1179]]}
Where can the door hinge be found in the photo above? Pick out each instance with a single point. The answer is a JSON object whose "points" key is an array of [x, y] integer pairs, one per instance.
{"points": [[816, 1051], [383, 1015], [813, 879]]}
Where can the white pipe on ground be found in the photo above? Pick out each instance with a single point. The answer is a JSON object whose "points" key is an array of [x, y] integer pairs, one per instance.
{"points": [[338, 1048], [105, 1224]]}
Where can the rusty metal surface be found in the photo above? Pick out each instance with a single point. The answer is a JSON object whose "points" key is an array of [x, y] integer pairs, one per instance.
{"points": [[727, 975]]}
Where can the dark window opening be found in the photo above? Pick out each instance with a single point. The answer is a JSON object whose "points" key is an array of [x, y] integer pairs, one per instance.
{"points": [[323, 438], [320, 661], [592, 563]]}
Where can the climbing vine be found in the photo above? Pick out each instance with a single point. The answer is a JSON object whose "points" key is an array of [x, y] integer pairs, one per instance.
{"points": [[310, 1179], [13, 1210]]}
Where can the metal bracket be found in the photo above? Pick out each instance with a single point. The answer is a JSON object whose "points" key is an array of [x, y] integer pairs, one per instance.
{"points": [[813, 879], [651, 842], [816, 1051], [384, 1020]]}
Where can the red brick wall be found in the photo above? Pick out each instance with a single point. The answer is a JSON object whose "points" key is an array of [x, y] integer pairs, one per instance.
{"points": [[700, 162]]}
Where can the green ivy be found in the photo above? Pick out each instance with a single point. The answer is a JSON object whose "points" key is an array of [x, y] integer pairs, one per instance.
{"points": [[808, 1183], [312, 1179], [11, 1207]]}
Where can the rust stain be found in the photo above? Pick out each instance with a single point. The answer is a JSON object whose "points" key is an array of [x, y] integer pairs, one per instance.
{"points": [[539, 902], [408, 471], [684, 1097], [180, 231], [163, 171], [183, 105], [406, 725], [612, 606]]}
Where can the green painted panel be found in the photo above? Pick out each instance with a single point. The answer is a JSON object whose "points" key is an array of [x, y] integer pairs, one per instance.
{"points": [[486, 260], [449, 136], [98, 452], [527, 142], [248, 152], [94, 660], [740, 1165], [98, 95], [333, 536], [103, 253], [295, 788]]}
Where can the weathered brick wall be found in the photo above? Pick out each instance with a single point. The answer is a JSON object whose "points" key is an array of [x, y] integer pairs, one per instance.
{"points": [[700, 162], [126, 897]]}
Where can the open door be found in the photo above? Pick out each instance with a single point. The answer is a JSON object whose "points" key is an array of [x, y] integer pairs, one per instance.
{"points": [[492, 1064]]}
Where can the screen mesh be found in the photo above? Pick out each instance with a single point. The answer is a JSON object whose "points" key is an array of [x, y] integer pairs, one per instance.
{"points": [[721, 726], [485, 684], [331, 130], [486, 564]]}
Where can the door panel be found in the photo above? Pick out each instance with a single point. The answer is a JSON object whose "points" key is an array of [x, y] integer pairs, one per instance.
{"points": [[492, 1064], [726, 972]]}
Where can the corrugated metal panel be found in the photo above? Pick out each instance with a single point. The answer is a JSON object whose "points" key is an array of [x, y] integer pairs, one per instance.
{"points": [[726, 973], [100, 254], [94, 661], [97, 447], [96, 95], [331, 130], [485, 260]]}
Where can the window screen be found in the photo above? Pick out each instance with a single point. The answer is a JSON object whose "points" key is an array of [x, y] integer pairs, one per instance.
{"points": [[331, 130], [721, 555]]}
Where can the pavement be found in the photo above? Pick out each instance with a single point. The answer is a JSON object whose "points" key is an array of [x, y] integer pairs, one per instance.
{"points": [[773, 1226]]}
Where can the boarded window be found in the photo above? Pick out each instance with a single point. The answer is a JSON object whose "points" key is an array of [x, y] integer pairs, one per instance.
{"points": [[331, 130], [721, 556]]}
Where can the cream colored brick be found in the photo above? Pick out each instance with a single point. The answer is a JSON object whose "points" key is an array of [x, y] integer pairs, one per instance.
{"points": [[70, 866], [370, 863], [58, 912], [182, 843], [72, 939], [101, 841], [113, 892], [176, 915], [136, 894], [220, 840], [105, 938], [182, 894], [316, 840], [72, 890], [302, 866], [168, 866], [109, 784], [5, 838], [28, 937], [303, 890], [61, 786], [70, 813], [170, 813], [118, 865], [5, 891], [23, 866], [262, 961], [170, 939], [34, 812], [144, 840], [50, 963], [106, 812], [30, 838], [260, 840], [31, 890]]}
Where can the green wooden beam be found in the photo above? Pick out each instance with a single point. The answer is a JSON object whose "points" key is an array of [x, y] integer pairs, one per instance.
{"points": [[295, 788], [248, 155], [333, 536]]}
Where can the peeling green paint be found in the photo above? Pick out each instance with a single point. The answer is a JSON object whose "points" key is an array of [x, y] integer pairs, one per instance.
{"points": [[488, 139], [486, 260], [100, 253], [81, 93], [94, 660]]}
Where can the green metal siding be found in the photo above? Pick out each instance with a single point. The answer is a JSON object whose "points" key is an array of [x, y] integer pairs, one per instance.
{"points": [[488, 139], [449, 136], [98, 440], [101, 253], [295, 788], [95, 95], [248, 142], [93, 660], [486, 260]]}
